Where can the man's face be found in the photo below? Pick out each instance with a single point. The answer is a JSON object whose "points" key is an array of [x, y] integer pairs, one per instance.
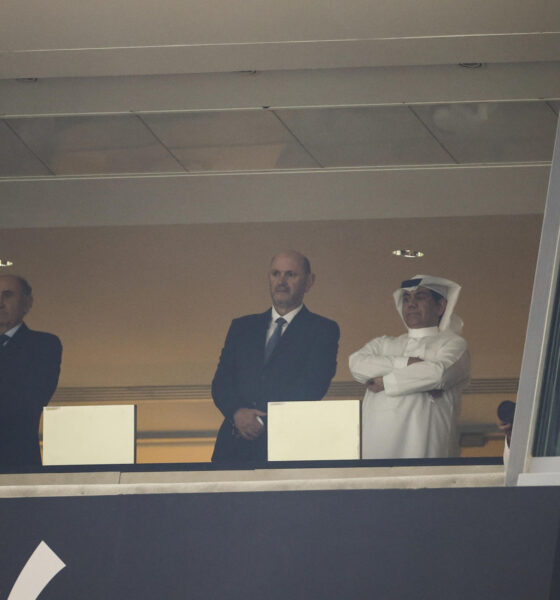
{"points": [[14, 305], [420, 309], [288, 282]]}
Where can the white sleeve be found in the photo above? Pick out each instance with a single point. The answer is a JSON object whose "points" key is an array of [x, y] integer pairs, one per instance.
{"points": [[372, 361], [450, 368]]}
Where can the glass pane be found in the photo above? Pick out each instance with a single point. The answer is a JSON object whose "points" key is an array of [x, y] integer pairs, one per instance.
{"points": [[547, 438]]}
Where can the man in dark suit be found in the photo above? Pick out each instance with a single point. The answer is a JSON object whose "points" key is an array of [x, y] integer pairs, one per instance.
{"points": [[29, 369], [285, 354]]}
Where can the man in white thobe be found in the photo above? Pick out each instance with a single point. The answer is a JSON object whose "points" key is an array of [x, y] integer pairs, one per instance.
{"points": [[414, 382]]}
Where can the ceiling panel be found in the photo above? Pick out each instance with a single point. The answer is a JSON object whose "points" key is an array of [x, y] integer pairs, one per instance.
{"points": [[493, 132], [264, 140], [364, 136], [225, 141], [86, 145], [15, 158]]}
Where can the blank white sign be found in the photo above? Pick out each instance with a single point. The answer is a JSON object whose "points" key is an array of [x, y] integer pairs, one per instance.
{"points": [[89, 435], [324, 430]]}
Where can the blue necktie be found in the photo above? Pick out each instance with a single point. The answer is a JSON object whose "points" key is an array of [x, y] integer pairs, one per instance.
{"points": [[274, 339]]}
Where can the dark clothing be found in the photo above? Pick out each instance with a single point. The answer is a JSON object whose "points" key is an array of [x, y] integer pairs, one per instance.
{"points": [[300, 368], [29, 369]]}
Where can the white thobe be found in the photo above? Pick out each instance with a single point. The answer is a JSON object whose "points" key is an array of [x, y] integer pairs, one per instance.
{"points": [[405, 420]]}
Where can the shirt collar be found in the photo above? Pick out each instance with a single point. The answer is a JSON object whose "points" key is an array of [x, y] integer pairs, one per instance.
{"points": [[288, 316], [423, 332], [11, 332]]}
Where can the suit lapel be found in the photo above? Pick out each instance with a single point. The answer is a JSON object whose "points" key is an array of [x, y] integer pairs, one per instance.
{"points": [[15, 342], [257, 340]]}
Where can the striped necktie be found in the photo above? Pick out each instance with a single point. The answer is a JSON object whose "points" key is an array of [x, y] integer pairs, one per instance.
{"points": [[274, 339]]}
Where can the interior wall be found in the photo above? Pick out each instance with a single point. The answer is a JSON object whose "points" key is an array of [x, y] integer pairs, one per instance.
{"points": [[150, 305]]}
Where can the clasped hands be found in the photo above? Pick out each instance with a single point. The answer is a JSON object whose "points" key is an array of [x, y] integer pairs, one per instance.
{"points": [[376, 384], [246, 423]]}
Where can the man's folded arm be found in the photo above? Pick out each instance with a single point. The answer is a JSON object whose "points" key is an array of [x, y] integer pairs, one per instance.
{"points": [[450, 368], [370, 361]]}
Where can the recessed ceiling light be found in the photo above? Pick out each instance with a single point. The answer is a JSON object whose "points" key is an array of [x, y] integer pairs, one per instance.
{"points": [[5, 263], [471, 65], [409, 253]]}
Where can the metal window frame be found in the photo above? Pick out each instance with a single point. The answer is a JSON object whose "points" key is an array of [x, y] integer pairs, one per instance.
{"points": [[522, 467]]}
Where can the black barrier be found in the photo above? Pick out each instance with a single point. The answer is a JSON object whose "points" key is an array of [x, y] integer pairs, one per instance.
{"points": [[250, 466], [484, 543]]}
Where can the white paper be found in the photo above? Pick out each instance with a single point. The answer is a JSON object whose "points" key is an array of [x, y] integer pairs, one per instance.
{"points": [[324, 430], [89, 435]]}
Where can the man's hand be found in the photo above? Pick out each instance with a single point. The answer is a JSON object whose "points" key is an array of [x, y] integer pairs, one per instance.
{"points": [[375, 385], [246, 423]]}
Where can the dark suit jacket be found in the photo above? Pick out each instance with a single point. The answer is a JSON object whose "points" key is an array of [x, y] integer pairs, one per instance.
{"points": [[300, 368], [29, 369]]}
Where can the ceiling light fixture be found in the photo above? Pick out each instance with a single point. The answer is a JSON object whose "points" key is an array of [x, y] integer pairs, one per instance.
{"points": [[471, 65], [409, 253], [5, 263]]}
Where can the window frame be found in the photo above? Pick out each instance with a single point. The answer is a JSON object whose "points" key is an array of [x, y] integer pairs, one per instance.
{"points": [[522, 467]]}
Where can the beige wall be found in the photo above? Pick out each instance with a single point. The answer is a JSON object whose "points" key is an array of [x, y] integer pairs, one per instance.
{"points": [[150, 305]]}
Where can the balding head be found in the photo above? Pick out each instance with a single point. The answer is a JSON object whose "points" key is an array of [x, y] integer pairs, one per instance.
{"points": [[295, 255]]}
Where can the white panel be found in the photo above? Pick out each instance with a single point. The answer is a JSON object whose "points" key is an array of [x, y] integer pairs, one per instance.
{"points": [[36, 24], [325, 430], [364, 136], [15, 158], [295, 196], [280, 89], [224, 141], [89, 435], [499, 132], [108, 144], [269, 56], [534, 479], [72, 38]]}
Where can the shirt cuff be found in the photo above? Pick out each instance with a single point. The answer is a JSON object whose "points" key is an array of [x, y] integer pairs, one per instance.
{"points": [[400, 362], [390, 384]]}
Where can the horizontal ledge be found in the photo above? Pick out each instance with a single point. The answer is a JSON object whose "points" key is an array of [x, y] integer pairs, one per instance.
{"points": [[292, 171], [279, 55], [298, 88], [203, 393], [270, 481]]}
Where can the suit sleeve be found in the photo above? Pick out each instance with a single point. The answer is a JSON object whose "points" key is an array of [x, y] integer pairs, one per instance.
{"points": [[26, 389], [319, 365], [224, 385]]}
